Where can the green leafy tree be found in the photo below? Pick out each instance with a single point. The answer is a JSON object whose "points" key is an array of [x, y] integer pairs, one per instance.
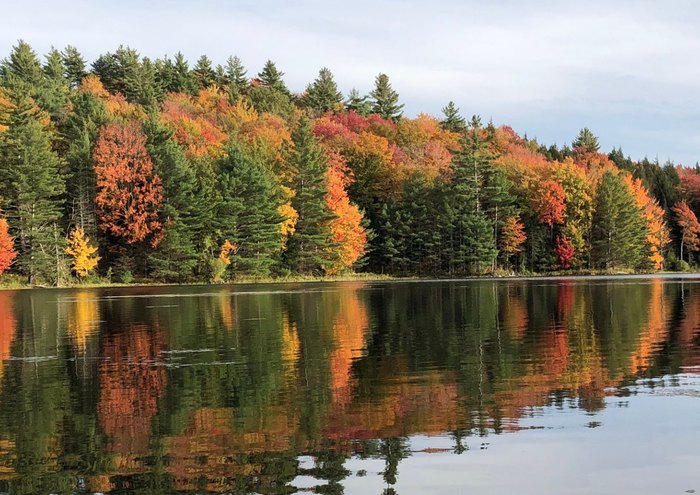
{"points": [[385, 101], [308, 248]]}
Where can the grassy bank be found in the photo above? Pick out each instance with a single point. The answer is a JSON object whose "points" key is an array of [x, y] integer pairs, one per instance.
{"points": [[14, 282]]}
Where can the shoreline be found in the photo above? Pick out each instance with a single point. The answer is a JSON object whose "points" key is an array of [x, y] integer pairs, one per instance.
{"points": [[369, 277]]}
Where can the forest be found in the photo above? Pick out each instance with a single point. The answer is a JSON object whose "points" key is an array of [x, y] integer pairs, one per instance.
{"points": [[133, 169]]}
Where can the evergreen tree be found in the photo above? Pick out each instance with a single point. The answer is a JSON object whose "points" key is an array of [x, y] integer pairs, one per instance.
{"points": [[358, 103], [236, 78], [308, 248], [22, 71], [32, 187], [79, 132], [53, 93], [203, 73], [74, 65], [472, 231], [183, 80], [619, 230], [271, 77], [586, 142], [248, 213], [175, 257], [385, 101], [54, 68], [453, 121], [322, 95]]}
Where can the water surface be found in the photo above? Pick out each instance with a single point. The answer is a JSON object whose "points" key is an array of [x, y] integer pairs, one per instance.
{"points": [[544, 386]]}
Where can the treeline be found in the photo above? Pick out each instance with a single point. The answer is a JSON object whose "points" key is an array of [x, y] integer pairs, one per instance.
{"points": [[152, 169]]}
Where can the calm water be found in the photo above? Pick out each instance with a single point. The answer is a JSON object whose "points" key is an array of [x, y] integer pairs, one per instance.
{"points": [[530, 387]]}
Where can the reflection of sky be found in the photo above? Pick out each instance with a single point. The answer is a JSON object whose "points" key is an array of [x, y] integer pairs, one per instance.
{"points": [[647, 443]]}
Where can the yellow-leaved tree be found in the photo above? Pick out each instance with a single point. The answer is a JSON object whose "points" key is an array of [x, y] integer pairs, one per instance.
{"points": [[83, 253]]}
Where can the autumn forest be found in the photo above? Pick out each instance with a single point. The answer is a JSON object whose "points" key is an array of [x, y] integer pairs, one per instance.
{"points": [[132, 169]]}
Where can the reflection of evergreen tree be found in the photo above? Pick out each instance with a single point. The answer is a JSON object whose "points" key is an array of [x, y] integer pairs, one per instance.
{"points": [[393, 450]]}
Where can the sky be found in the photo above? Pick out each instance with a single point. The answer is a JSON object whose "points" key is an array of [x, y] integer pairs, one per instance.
{"points": [[628, 70]]}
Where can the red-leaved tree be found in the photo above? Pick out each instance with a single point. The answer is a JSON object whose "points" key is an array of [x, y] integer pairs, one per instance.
{"points": [[690, 227], [565, 252], [129, 193]]}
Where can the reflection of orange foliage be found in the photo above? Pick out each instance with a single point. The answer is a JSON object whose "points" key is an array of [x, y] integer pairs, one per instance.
{"points": [[83, 320], [427, 403], [8, 326], [654, 334], [349, 328], [689, 329], [515, 317], [131, 383], [227, 310], [210, 433]]}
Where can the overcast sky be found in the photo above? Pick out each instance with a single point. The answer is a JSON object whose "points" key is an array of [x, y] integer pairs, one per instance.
{"points": [[628, 70]]}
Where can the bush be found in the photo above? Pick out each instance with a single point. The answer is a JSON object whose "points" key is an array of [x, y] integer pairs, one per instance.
{"points": [[680, 266]]}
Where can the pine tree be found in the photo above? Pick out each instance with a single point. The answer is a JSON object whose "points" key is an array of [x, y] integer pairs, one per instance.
{"points": [[74, 64], [358, 103], [385, 101], [183, 80], [453, 121], [322, 95], [619, 230], [235, 78], [586, 142], [248, 213], [271, 77], [32, 187], [22, 71], [175, 258], [53, 93], [308, 248], [79, 131], [472, 231], [203, 73]]}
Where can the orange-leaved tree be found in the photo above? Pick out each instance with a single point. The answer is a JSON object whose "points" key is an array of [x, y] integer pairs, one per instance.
{"points": [[348, 233], [512, 236], [657, 232], [7, 249], [129, 192], [690, 227]]}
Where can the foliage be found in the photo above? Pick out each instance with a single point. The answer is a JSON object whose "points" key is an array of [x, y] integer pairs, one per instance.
{"points": [[82, 252], [129, 193], [7, 248]]}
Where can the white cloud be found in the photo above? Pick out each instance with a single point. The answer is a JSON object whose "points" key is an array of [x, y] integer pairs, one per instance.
{"points": [[623, 68]]}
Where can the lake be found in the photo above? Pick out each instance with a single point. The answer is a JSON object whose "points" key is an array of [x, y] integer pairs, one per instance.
{"points": [[542, 386]]}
